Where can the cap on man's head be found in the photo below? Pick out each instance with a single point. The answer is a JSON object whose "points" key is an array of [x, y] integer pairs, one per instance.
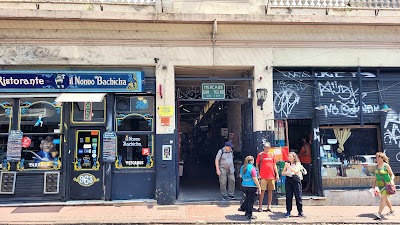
{"points": [[228, 143], [267, 145]]}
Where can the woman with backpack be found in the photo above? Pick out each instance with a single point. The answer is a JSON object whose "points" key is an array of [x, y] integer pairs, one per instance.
{"points": [[250, 185], [292, 171]]}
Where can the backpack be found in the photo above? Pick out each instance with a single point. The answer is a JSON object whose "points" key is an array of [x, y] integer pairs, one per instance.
{"points": [[223, 153]]}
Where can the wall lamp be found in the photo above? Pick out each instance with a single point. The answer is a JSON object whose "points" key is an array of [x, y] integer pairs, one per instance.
{"points": [[261, 96]]}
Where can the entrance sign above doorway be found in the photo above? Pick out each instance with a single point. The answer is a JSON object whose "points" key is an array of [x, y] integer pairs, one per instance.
{"points": [[213, 91]]}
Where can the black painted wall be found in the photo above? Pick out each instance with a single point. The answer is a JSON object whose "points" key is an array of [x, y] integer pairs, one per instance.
{"points": [[166, 173], [133, 184]]}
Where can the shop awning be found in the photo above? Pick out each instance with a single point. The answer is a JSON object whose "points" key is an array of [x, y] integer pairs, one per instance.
{"points": [[81, 97]]}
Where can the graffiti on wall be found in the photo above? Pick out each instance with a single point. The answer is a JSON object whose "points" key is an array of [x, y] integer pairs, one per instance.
{"points": [[345, 99], [343, 75], [392, 130], [287, 97]]}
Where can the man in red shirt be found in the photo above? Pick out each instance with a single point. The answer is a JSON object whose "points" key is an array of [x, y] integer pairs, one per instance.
{"points": [[266, 164]]}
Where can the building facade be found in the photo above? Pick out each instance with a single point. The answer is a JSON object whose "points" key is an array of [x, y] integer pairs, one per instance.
{"points": [[325, 67]]}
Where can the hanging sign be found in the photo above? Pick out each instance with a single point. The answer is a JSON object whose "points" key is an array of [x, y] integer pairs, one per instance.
{"points": [[63, 81], [213, 91], [109, 146], [14, 145], [166, 111], [87, 111]]}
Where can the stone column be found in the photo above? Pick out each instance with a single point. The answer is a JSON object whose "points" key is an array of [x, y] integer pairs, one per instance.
{"points": [[166, 170], [262, 79]]}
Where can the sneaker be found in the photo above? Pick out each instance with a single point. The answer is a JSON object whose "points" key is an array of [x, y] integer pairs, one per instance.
{"points": [[378, 216], [391, 213], [231, 197], [251, 217], [287, 215], [226, 198], [301, 214]]}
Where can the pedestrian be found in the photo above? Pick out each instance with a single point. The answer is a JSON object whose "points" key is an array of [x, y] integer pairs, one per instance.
{"points": [[292, 171], [266, 164], [305, 159], [225, 170], [383, 175], [250, 185]]}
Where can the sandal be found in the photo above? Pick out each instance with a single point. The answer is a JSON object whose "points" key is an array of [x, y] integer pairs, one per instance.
{"points": [[268, 210], [259, 210]]}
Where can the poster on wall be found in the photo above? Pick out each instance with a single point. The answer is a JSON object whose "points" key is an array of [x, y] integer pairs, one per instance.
{"points": [[167, 152], [14, 145], [109, 146]]}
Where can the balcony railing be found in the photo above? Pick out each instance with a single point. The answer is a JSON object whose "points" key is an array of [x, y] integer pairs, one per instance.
{"points": [[136, 2], [393, 4]]}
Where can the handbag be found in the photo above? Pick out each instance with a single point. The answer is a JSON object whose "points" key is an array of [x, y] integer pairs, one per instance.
{"points": [[390, 188]]}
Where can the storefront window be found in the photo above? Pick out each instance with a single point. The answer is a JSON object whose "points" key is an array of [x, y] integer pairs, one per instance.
{"points": [[40, 152], [134, 126], [349, 151], [40, 122], [88, 112], [134, 151]]}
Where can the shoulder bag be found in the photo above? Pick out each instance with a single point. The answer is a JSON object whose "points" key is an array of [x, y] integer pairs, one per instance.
{"points": [[390, 188]]}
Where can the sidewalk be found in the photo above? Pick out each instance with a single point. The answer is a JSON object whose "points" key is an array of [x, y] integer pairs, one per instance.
{"points": [[150, 213]]}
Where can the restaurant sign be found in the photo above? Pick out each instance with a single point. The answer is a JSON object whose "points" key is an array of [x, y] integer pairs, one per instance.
{"points": [[67, 81]]}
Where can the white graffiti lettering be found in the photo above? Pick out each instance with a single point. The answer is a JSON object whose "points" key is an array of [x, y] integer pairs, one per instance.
{"points": [[344, 92], [316, 134], [285, 101], [345, 100], [392, 133], [292, 74], [284, 85], [343, 74]]}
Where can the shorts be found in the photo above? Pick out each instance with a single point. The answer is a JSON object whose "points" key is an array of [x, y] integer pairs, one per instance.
{"points": [[267, 184]]}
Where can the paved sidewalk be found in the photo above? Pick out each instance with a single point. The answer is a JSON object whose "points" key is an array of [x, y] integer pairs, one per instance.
{"points": [[148, 213]]}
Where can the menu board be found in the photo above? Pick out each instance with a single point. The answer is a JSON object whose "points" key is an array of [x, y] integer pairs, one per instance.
{"points": [[109, 146], [14, 146]]}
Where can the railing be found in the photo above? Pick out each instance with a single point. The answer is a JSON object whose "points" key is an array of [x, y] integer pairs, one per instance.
{"points": [[336, 3], [138, 2]]}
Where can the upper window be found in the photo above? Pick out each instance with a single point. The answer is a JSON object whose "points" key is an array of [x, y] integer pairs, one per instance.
{"points": [[40, 115], [88, 112], [134, 113], [134, 122]]}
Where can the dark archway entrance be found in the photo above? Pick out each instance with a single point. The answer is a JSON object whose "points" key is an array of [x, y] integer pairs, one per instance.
{"points": [[204, 124]]}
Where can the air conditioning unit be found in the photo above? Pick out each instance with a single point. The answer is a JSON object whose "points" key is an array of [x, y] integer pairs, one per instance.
{"points": [[51, 183], [7, 182]]}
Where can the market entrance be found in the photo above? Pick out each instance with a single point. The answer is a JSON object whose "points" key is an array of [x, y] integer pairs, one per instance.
{"points": [[205, 123]]}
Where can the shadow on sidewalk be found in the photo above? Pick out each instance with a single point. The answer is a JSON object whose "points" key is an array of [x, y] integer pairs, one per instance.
{"points": [[236, 217], [367, 215], [277, 215]]}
